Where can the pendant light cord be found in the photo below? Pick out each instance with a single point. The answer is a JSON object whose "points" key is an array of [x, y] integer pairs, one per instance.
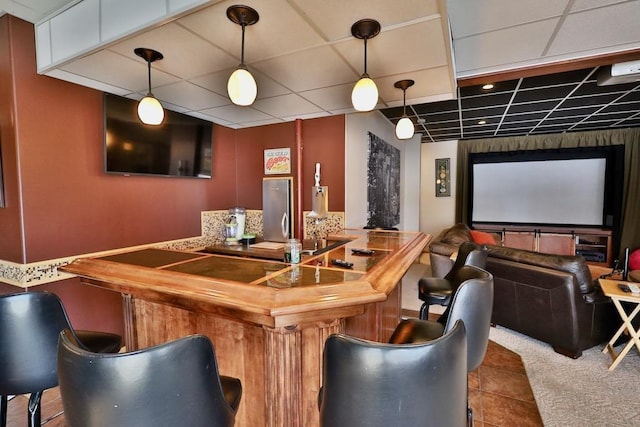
{"points": [[365, 58], [404, 102], [242, 50], [149, 76]]}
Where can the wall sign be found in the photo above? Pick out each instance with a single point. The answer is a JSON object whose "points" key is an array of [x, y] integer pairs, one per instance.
{"points": [[277, 161], [443, 178]]}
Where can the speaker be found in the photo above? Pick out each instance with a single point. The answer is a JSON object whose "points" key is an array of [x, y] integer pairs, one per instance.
{"points": [[608, 220], [625, 271]]}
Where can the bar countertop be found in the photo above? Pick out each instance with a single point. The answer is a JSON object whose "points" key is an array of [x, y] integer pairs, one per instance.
{"points": [[268, 320], [266, 292]]}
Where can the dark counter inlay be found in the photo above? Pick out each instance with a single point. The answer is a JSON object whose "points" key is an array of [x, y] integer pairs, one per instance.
{"points": [[151, 257], [238, 269]]}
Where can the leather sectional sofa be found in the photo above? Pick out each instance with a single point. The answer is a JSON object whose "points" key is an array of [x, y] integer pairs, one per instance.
{"points": [[551, 298]]}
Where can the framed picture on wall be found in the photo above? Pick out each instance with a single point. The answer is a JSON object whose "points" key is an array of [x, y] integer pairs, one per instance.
{"points": [[277, 161], [443, 178]]}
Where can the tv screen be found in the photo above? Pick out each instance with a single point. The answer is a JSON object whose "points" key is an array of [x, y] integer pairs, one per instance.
{"points": [[181, 146]]}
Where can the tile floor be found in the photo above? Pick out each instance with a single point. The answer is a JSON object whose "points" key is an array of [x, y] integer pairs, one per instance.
{"points": [[499, 393]]}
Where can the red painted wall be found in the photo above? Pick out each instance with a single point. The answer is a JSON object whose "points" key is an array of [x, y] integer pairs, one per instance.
{"points": [[51, 133], [323, 142]]}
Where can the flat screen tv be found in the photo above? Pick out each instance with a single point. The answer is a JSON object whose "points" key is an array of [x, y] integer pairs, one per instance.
{"points": [[181, 146]]}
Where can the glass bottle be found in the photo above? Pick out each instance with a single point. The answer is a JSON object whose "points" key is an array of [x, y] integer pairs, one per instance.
{"points": [[292, 251]]}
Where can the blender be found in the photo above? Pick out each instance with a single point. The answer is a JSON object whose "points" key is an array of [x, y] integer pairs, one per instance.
{"points": [[237, 215]]}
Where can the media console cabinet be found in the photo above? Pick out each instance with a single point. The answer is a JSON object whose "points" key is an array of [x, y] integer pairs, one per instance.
{"points": [[594, 244]]}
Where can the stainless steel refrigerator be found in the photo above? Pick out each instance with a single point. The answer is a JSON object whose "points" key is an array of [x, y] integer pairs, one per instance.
{"points": [[276, 209]]}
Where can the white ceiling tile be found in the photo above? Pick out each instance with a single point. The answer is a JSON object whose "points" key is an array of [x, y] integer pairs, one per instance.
{"points": [[390, 53], [337, 26], [504, 47], [611, 26], [330, 98], [261, 122], [435, 81], [117, 70], [190, 96], [280, 29], [309, 69], [305, 116], [235, 114], [185, 54], [477, 17], [217, 82], [306, 46], [285, 105], [579, 5]]}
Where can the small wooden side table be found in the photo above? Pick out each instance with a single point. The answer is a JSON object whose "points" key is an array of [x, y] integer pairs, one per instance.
{"points": [[610, 288]]}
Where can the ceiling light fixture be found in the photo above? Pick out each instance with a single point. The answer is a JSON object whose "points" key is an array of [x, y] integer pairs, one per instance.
{"points": [[364, 96], [404, 127], [487, 86], [242, 87], [150, 110]]}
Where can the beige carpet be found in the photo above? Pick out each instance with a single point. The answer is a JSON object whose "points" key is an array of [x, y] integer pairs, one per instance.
{"points": [[580, 392]]}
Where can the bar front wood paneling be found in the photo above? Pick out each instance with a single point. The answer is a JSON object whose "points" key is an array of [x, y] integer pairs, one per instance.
{"points": [[268, 320]]}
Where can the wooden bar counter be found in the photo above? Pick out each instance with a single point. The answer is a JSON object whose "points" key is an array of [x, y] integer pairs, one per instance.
{"points": [[268, 320]]}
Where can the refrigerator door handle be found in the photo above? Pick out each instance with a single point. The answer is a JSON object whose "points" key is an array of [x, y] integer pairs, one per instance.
{"points": [[285, 225]]}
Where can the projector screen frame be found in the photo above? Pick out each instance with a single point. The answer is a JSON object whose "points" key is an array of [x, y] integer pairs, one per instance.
{"points": [[613, 187]]}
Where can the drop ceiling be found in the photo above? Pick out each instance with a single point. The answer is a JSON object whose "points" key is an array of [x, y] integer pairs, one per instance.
{"points": [[306, 61]]}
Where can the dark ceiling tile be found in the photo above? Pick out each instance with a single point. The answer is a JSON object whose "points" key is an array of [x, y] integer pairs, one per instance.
{"points": [[436, 107], [629, 107], [512, 126], [530, 107], [574, 112], [536, 109], [600, 100], [479, 113], [555, 79], [537, 115], [481, 101], [442, 126], [591, 88], [542, 94], [506, 86]]}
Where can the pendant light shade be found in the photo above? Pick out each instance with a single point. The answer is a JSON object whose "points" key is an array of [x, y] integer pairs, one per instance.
{"points": [[404, 127], [150, 110], [364, 96], [242, 87]]}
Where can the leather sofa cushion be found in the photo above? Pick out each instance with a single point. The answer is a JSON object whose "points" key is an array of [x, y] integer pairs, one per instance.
{"points": [[570, 264], [457, 235]]}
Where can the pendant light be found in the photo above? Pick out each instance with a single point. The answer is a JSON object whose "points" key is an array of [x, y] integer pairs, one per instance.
{"points": [[404, 127], [150, 110], [241, 87], [364, 96]]}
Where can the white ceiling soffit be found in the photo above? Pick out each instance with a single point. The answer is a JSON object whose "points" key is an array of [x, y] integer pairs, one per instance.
{"points": [[301, 53]]}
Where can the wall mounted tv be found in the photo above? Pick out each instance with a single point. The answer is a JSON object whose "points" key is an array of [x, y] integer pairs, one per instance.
{"points": [[581, 186], [181, 146]]}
